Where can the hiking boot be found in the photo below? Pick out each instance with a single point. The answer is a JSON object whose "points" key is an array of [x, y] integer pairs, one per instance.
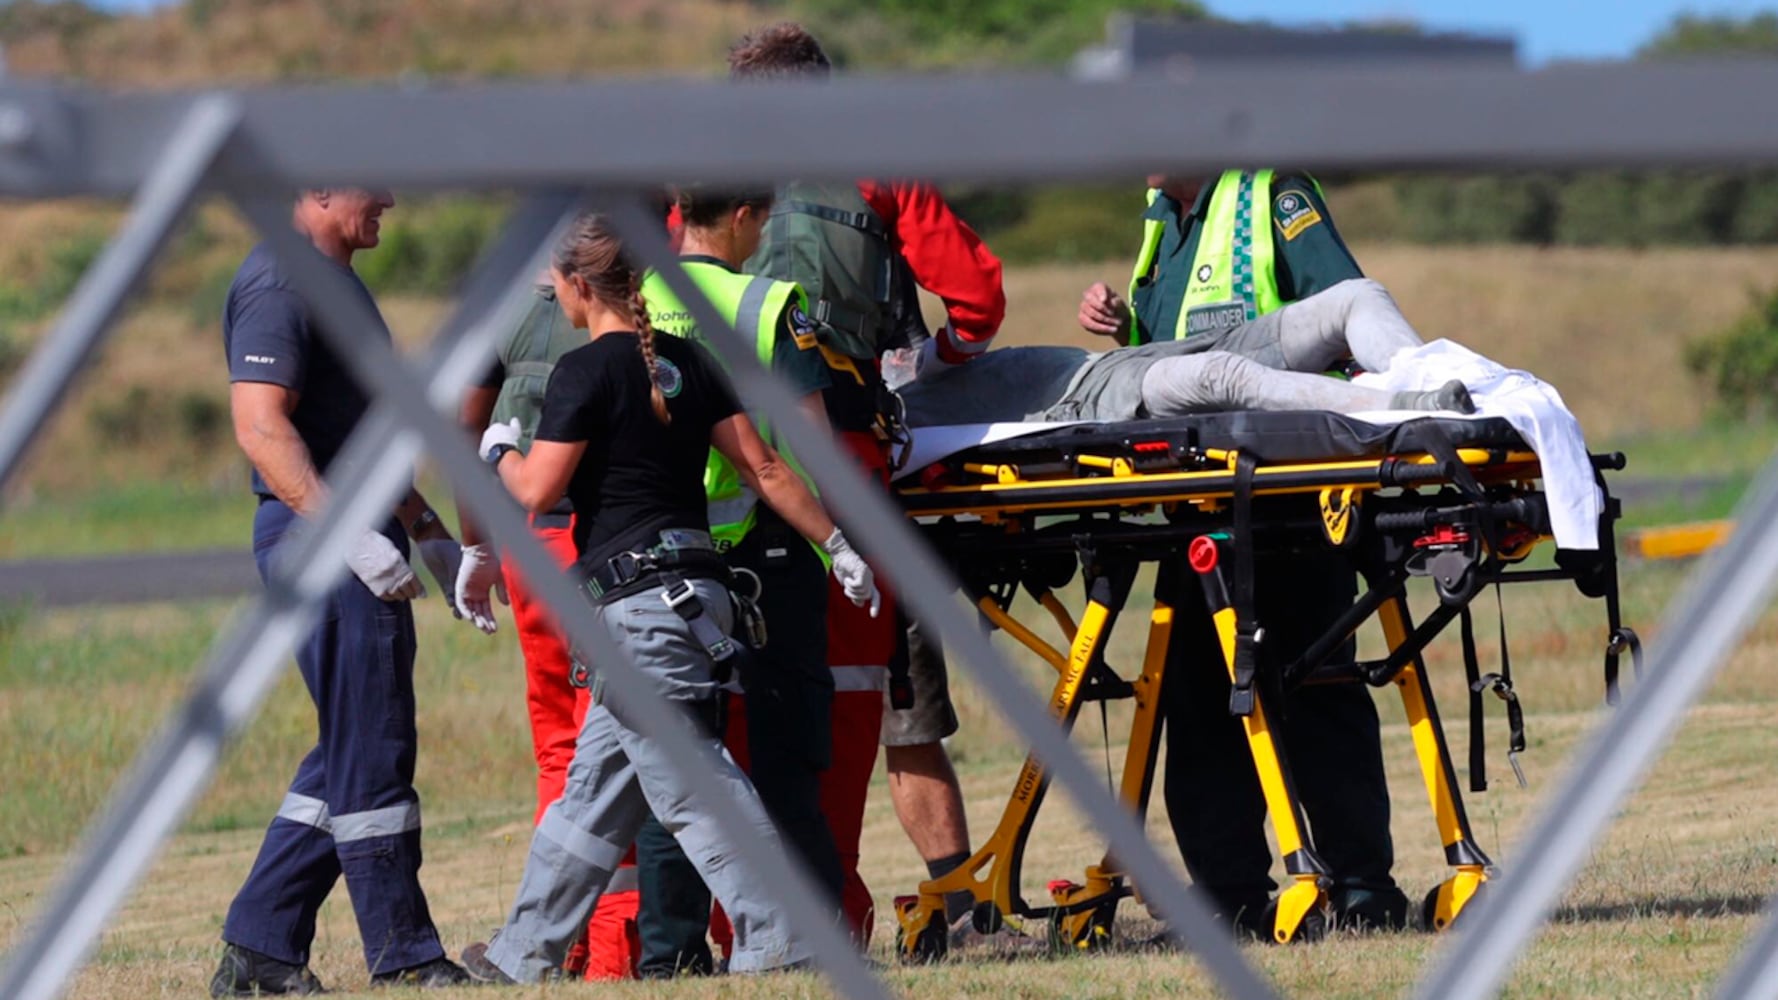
{"points": [[1364, 910], [246, 973], [436, 974], [478, 969]]}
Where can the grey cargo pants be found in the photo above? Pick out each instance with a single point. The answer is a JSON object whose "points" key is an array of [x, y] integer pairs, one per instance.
{"points": [[617, 777]]}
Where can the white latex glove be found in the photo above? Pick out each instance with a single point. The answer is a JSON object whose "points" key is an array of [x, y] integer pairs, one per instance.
{"points": [[441, 556], [376, 561], [854, 574], [506, 434], [479, 573]]}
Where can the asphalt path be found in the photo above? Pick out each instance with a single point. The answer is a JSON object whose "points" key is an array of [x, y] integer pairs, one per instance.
{"points": [[125, 579], [213, 573]]}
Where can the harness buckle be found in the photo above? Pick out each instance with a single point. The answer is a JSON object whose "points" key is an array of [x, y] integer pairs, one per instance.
{"points": [[678, 594]]}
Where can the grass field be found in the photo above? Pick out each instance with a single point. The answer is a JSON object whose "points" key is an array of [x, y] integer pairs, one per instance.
{"points": [[140, 456], [1663, 905]]}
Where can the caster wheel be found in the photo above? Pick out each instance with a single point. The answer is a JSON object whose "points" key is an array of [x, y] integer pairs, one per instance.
{"points": [[1068, 934], [930, 946], [1314, 926], [1429, 917]]}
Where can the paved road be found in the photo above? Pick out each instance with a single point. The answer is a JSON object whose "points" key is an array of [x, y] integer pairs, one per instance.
{"points": [[147, 576]]}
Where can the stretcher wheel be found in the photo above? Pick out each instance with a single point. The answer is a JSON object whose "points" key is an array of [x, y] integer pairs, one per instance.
{"points": [[1429, 919], [1090, 931], [930, 945], [1314, 925]]}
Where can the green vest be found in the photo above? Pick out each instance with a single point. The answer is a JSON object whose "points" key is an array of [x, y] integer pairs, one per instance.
{"points": [[1232, 280], [754, 305], [827, 239], [528, 357]]}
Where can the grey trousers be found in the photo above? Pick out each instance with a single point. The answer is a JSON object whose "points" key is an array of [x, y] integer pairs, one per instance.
{"points": [[618, 775], [1271, 363]]}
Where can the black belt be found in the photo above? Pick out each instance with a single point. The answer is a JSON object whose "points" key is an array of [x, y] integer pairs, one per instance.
{"points": [[631, 572]]}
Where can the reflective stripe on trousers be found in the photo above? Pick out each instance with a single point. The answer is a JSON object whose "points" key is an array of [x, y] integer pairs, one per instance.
{"points": [[386, 822]]}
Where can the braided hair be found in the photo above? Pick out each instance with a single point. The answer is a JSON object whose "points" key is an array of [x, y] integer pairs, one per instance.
{"points": [[593, 250]]}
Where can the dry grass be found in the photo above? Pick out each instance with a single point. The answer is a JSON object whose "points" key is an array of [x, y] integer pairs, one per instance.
{"points": [[1606, 326], [1664, 904], [222, 42]]}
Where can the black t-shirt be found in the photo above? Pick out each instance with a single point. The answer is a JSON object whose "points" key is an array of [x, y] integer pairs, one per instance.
{"points": [[269, 336], [638, 476]]}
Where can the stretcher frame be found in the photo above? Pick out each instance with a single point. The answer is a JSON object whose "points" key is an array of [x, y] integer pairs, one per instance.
{"points": [[1463, 516]]}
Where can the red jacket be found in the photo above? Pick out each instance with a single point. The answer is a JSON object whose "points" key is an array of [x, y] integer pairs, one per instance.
{"points": [[948, 259]]}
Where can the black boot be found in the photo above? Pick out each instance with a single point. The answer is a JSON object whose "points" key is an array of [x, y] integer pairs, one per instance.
{"points": [[438, 973], [245, 973]]}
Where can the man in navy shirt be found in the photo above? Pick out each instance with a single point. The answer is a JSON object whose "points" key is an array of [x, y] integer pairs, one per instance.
{"points": [[351, 809]]}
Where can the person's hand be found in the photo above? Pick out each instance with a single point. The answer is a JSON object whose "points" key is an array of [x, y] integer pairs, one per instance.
{"points": [[442, 556], [1104, 312], [378, 563], [853, 573], [478, 573], [499, 434]]}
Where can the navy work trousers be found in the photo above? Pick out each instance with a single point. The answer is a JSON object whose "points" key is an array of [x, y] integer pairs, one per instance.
{"points": [[351, 808], [1329, 734]]}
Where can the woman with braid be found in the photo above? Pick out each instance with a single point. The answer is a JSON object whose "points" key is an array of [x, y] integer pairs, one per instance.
{"points": [[628, 421]]}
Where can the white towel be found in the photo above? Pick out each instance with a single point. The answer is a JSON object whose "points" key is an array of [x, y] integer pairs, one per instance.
{"points": [[1533, 407]]}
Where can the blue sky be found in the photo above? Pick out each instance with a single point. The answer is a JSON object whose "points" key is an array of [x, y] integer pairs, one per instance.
{"points": [[1545, 29]]}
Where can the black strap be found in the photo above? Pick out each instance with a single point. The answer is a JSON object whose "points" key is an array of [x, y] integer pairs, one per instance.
{"points": [[1472, 671], [865, 222], [1247, 632], [1502, 686], [1439, 446]]}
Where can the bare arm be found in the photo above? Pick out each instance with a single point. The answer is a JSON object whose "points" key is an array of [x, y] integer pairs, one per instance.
{"points": [[261, 414], [767, 474], [473, 417], [538, 480], [409, 510]]}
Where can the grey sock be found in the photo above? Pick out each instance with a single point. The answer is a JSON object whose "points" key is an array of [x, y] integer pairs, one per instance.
{"points": [[1453, 395]]}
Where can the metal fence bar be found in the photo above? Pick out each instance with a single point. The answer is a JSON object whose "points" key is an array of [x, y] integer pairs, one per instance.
{"points": [[170, 184], [171, 772], [342, 316], [1703, 625], [1754, 976], [922, 582], [1005, 129]]}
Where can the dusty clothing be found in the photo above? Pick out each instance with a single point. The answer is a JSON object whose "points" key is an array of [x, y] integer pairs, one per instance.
{"points": [[1266, 364]]}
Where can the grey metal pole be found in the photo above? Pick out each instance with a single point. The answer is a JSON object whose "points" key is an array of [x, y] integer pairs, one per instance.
{"points": [[166, 192], [926, 586], [1755, 974], [171, 772], [1702, 626], [340, 313]]}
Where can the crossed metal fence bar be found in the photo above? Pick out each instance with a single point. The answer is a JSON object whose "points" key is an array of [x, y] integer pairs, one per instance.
{"points": [[88, 143]]}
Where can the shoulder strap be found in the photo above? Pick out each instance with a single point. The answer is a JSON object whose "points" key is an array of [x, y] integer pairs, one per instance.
{"points": [[865, 222]]}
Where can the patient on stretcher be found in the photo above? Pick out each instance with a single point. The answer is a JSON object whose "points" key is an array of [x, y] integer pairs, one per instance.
{"points": [[1271, 363]]}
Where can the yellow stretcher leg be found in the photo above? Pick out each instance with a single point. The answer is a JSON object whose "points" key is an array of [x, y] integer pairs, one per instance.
{"points": [[1307, 893], [1085, 912], [1445, 902], [992, 873]]}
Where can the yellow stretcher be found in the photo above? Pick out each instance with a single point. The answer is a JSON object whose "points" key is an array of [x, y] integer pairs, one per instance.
{"points": [[1458, 501]]}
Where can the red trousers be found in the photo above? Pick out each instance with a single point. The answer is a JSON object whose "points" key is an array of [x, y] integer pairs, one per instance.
{"points": [[858, 650], [557, 710]]}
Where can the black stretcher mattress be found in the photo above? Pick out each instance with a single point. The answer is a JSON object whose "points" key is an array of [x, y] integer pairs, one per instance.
{"points": [[1270, 436]]}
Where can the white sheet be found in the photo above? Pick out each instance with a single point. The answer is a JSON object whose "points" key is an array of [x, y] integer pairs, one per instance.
{"points": [[1533, 408]]}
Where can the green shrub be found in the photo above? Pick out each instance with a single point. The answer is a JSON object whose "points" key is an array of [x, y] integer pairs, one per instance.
{"points": [[1600, 210], [1740, 364], [126, 419], [200, 416], [1688, 207], [207, 302]]}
